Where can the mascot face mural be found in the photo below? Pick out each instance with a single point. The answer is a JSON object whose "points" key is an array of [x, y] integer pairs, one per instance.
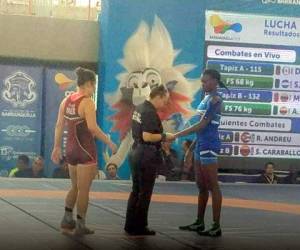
{"points": [[139, 85], [148, 61]]}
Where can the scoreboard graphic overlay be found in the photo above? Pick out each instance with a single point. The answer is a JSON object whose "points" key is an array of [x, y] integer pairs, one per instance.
{"points": [[259, 59]]}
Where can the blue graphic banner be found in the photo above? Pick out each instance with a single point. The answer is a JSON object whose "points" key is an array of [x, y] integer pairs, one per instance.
{"points": [[248, 68], [54, 95], [21, 113], [246, 95]]}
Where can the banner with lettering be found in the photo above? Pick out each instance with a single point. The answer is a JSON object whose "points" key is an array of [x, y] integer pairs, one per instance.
{"points": [[259, 59], [21, 113]]}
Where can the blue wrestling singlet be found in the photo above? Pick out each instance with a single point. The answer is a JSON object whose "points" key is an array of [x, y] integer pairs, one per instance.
{"points": [[208, 142]]}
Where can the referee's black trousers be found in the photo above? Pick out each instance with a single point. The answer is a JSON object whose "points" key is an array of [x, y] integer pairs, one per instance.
{"points": [[144, 161]]}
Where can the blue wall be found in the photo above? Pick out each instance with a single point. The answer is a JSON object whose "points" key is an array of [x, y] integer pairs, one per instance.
{"points": [[184, 19]]}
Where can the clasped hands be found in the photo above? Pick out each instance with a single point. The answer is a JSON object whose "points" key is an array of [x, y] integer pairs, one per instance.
{"points": [[171, 137]]}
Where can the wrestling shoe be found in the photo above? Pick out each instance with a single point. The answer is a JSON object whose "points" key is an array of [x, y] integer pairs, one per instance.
{"points": [[196, 226], [68, 224], [214, 231]]}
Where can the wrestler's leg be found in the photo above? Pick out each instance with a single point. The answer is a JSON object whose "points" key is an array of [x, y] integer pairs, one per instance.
{"points": [[211, 171], [68, 222], [85, 176], [72, 194], [213, 186], [202, 184], [198, 225]]}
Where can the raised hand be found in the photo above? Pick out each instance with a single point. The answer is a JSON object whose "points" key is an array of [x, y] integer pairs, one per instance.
{"points": [[170, 137]]}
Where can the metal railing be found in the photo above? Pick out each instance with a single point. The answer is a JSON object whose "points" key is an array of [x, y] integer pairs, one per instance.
{"points": [[70, 9]]}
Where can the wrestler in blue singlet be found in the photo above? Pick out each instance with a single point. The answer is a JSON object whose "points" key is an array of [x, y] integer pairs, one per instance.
{"points": [[208, 142]]}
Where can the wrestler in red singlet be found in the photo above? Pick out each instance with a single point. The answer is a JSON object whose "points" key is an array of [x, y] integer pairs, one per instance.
{"points": [[81, 146]]}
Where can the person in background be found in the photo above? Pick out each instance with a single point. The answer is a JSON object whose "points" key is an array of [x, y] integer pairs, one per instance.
{"points": [[187, 173], [62, 171], [22, 164], [171, 166], [111, 170], [38, 166], [268, 177], [100, 175], [36, 171], [292, 177]]}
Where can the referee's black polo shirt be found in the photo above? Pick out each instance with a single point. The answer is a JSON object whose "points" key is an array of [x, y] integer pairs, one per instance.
{"points": [[146, 119]]}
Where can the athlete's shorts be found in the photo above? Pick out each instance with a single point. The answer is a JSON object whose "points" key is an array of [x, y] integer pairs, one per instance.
{"points": [[81, 153], [206, 155]]}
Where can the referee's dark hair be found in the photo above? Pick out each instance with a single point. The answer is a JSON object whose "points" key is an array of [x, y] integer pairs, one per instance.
{"points": [[160, 90]]}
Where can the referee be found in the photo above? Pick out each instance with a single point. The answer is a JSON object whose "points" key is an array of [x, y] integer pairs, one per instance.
{"points": [[145, 159]]}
